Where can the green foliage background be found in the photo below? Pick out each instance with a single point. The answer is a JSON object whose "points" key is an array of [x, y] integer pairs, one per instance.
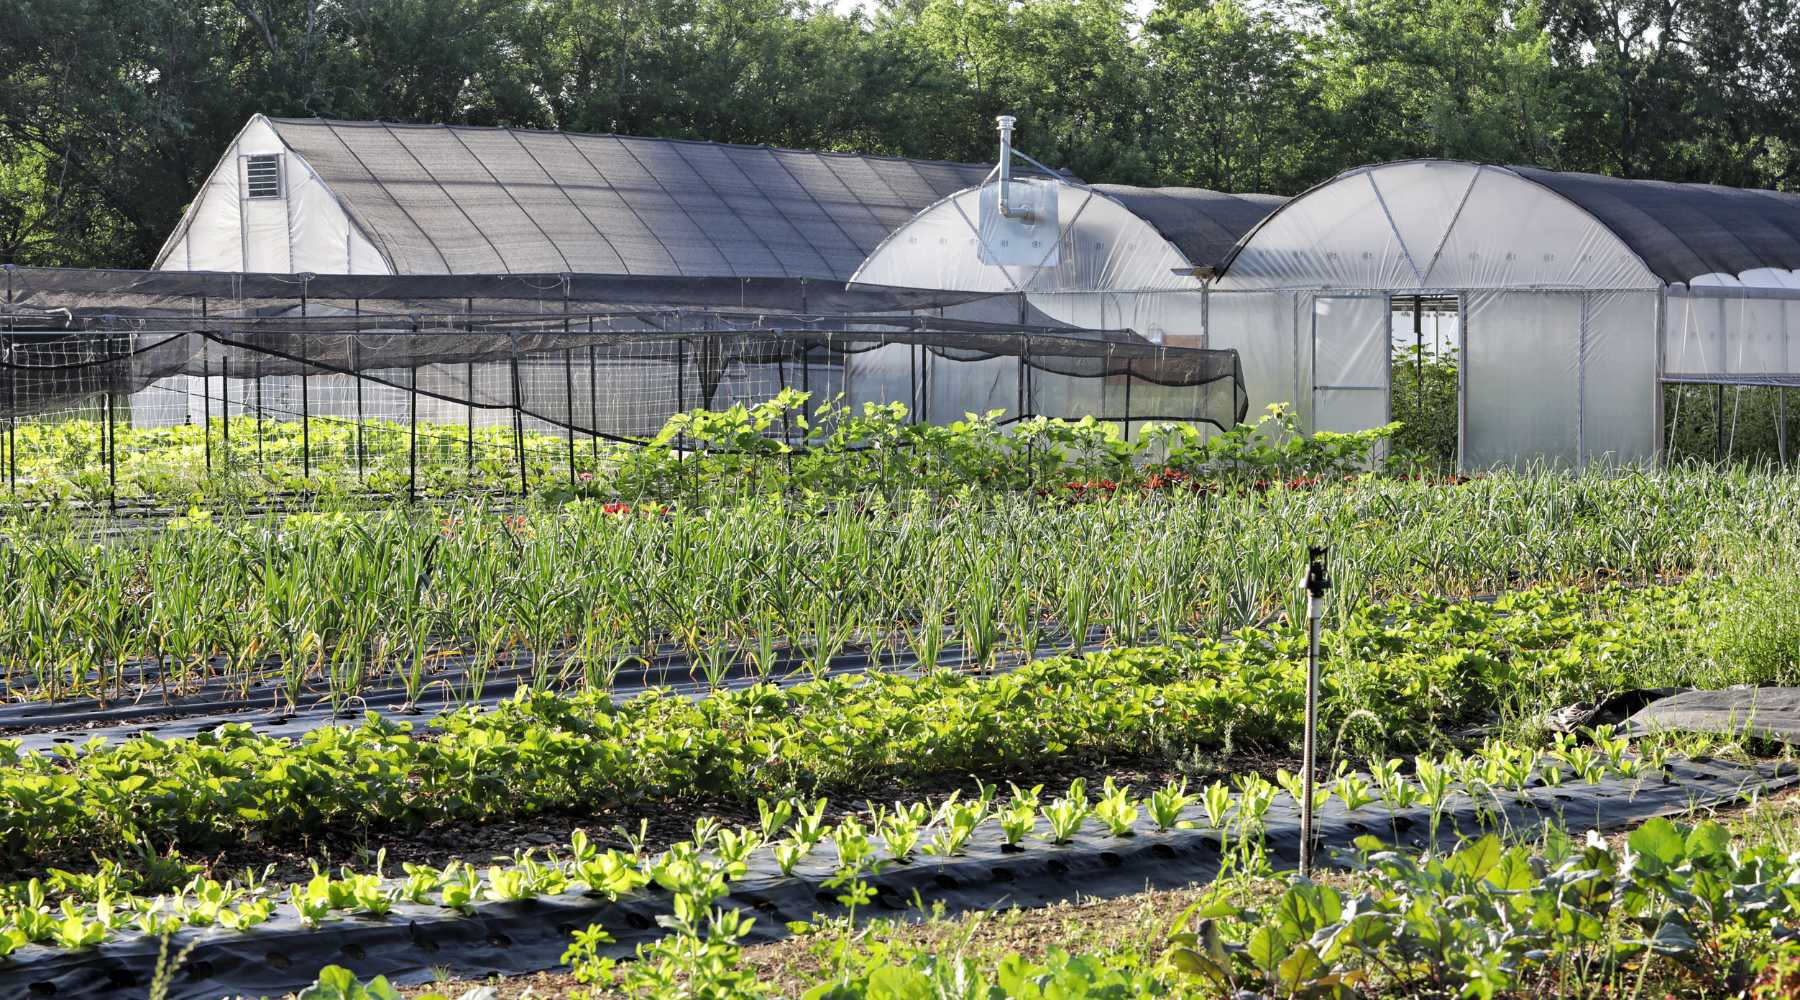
{"points": [[112, 111]]}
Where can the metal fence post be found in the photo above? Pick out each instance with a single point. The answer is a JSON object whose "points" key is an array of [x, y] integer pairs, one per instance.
{"points": [[12, 391], [112, 456], [206, 403], [412, 437], [469, 423], [356, 375], [225, 408], [519, 421], [569, 400], [593, 394], [305, 400], [259, 420]]}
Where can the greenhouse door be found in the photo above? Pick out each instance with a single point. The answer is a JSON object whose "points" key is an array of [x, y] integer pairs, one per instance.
{"points": [[1351, 338]]}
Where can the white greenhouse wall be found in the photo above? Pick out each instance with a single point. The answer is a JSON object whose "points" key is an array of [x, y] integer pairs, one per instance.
{"points": [[304, 230], [1558, 314], [1110, 270]]}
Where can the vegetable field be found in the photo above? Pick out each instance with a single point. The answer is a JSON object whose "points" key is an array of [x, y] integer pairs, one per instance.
{"points": [[759, 712]]}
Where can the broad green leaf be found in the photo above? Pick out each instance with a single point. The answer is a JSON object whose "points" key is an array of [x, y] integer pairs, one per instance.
{"points": [[1708, 840], [1477, 858], [1658, 838], [892, 982], [1267, 947]]}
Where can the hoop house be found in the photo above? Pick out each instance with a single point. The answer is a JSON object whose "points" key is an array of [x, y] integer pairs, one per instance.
{"points": [[1113, 258], [1577, 298]]}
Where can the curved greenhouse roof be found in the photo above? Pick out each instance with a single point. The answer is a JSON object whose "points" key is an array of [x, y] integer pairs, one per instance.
{"points": [[1446, 224], [1107, 237], [1689, 233], [1204, 225]]}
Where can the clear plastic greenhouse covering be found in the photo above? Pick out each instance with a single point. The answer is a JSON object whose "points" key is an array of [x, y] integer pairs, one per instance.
{"points": [[600, 355], [1732, 336]]}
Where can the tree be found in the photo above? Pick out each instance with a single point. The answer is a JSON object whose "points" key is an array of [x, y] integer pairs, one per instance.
{"points": [[1231, 98]]}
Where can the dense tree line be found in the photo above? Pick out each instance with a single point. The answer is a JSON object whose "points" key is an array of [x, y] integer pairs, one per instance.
{"points": [[112, 111]]}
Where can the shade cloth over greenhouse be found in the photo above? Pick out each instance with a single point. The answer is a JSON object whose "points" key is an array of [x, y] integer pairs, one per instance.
{"points": [[73, 334], [1690, 233], [439, 199]]}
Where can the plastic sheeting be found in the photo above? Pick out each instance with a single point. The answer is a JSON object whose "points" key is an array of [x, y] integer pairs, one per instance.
{"points": [[413, 943], [1771, 713], [1097, 244], [1732, 336], [305, 229], [1436, 225]]}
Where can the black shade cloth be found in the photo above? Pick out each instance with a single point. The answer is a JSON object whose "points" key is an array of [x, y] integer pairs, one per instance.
{"points": [[69, 335], [1204, 225], [1683, 231]]}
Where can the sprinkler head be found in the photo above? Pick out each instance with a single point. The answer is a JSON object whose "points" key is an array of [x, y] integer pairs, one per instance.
{"points": [[1318, 578]]}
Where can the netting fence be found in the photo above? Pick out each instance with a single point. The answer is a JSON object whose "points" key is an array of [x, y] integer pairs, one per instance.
{"points": [[122, 384]]}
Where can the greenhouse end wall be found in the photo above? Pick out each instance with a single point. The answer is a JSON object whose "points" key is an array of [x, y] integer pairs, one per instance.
{"points": [[1555, 377]]}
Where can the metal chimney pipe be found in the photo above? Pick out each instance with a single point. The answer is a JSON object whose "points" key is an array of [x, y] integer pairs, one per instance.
{"points": [[1006, 130]]}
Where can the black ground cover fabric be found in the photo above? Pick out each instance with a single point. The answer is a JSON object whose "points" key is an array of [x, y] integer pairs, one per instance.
{"points": [[414, 941], [1771, 713]]}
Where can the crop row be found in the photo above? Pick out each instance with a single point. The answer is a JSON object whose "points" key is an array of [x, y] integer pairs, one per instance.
{"points": [[75, 911], [1401, 675], [323, 602], [781, 445], [1676, 910]]}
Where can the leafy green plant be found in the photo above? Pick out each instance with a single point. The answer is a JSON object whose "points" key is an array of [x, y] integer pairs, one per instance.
{"points": [[1166, 804]]}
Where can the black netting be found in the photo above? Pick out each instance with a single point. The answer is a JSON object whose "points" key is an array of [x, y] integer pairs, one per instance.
{"points": [[598, 356]]}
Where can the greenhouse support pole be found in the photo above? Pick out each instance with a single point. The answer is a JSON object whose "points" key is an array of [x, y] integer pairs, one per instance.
{"points": [[1318, 581]]}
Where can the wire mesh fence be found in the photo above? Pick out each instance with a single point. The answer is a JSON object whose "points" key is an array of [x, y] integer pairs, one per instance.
{"points": [[137, 387]]}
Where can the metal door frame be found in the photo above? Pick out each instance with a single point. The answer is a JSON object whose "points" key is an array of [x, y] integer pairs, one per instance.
{"points": [[1386, 388]]}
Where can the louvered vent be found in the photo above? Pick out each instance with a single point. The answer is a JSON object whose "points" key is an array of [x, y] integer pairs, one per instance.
{"points": [[262, 176]]}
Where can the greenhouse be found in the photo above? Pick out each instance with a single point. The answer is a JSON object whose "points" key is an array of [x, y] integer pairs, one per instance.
{"points": [[1571, 316], [1571, 299]]}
